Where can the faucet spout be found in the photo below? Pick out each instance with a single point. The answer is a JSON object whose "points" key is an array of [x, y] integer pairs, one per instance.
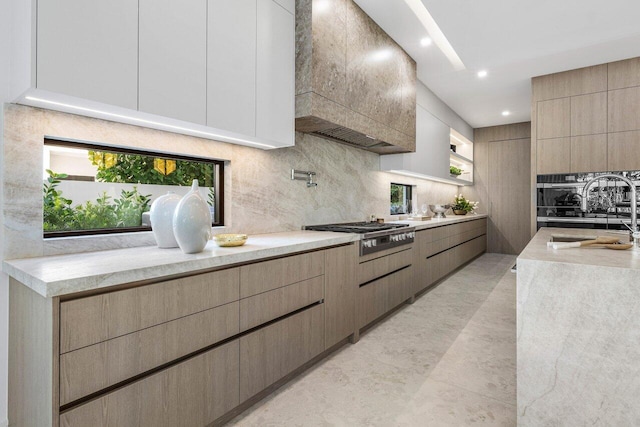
{"points": [[635, 232]]}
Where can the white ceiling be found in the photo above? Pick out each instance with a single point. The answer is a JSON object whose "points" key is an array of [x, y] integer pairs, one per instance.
{"points": [[513, 41]]}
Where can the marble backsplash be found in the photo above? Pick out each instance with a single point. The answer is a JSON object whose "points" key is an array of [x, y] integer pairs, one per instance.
{"points": [[260, 196]]}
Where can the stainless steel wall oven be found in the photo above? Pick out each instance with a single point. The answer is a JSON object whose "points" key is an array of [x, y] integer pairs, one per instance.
{"points": [[559, 197]]}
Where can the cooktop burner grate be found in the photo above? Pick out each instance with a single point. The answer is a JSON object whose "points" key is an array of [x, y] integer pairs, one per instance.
{"points": [[355, 227]]}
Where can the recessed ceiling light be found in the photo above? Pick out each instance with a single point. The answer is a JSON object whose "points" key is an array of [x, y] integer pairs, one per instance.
{"points": [[426, 41], [432, 28], [506, 112], [482, 73]]}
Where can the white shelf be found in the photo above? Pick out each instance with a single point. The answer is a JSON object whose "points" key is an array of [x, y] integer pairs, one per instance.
{"points": [[462, 158], [455, 157]]}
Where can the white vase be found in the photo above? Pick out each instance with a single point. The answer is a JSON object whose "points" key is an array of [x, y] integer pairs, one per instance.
{"points": [[161, 217], [192, 222]]}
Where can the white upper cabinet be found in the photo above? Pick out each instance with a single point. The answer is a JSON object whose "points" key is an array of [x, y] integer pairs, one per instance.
{"points": [[89, 49], [231, 65], [289, 5], [173, 54], [431, 159], [434, 136], [217, 69], [275, 103]]}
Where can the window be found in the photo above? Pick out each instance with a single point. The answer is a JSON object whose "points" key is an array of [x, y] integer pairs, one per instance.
{"points": [[400, 199], [97, 189]]}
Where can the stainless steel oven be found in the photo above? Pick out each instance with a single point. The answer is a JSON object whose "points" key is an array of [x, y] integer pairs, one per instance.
{"points": [[559, 198]]}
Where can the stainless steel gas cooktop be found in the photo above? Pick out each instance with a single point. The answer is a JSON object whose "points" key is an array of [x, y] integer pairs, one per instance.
{"points": [[375, 237]]}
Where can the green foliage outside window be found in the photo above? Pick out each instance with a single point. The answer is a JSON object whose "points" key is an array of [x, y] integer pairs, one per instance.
{"points": [[60, 215], [105, 212], [400, 199], [133, 168]]}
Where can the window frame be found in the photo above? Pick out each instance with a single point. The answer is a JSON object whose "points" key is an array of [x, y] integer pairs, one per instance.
{"points": [[85, 145], [408, 197]]}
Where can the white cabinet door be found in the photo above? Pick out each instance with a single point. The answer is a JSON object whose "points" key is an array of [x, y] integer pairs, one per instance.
{"points": [[431, 158], [231, 65], [290, 5], [89, 49], [173, 55], [276, 71], [432, 136]]}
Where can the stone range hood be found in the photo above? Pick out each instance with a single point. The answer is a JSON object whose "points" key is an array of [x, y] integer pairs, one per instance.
{"points": [[354, 84]]}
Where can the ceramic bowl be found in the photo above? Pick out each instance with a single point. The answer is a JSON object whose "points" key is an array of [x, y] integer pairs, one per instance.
{"points": [[228, 240]]}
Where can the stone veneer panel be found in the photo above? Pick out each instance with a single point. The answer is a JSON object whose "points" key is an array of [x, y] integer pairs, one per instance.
{"points": [[344, 57], [260, 196]]}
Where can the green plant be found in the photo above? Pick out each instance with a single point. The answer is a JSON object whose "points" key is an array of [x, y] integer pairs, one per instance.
{"points": [[133, 168], [57, 211], [59, 215], [462, 204], [454, 170], [129, 208], [98, 214]]}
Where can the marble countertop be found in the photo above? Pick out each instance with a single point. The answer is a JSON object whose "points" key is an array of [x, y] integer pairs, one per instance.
{"points": [[437, 222], [537, 250], [65, 274]]}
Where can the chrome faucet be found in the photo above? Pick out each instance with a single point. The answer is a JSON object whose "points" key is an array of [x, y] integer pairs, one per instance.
{"points": [[635, 232]]}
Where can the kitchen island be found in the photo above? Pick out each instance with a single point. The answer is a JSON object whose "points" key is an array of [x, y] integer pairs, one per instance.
{"points": [[578, 333]]}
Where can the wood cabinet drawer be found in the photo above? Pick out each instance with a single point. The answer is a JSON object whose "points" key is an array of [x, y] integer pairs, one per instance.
{"points": [[440, 233], [445, 262], [268, 275], [272, 352], [440, 265], [441, 245], [424, 236], [380, 296], [192, 393], [91, 320], [370, 270], [267, 306], [96, 367]]}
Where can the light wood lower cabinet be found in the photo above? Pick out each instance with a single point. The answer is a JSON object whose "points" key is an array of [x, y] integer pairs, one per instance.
{"points": [[192, 393], [378, 297], [267, 306], [90, 320], [370, 270], [340, 293], [178, 352], [190, 350], [268, 275], [441, 250], [93, 368], [274, 351]]}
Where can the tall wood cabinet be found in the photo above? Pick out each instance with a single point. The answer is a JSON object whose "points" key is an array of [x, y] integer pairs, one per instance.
{"points": [[586, 120], [502, 183]]}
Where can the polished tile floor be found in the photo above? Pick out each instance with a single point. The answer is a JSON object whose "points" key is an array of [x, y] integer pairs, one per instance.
{"points": [[447, 360]]}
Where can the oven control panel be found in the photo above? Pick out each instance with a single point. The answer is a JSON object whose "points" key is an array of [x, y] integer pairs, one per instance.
{"points": [[387, 241]]}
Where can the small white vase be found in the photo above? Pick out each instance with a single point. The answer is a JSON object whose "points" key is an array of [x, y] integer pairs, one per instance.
{"points": [[192, 222], [161, 217]]}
